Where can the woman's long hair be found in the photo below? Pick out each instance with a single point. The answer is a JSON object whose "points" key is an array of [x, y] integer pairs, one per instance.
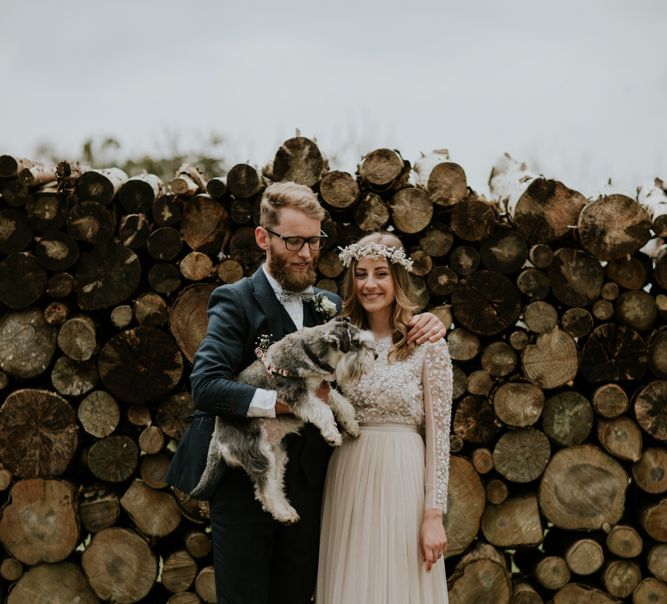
{"points": [[404, 307]]}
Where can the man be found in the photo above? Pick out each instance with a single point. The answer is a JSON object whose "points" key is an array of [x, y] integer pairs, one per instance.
{"points": [[258, 560]]}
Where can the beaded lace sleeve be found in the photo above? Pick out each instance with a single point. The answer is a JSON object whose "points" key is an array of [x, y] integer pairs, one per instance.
{"points": [[437, 382]]}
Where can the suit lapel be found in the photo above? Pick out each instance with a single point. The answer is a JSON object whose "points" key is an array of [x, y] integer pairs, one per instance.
{"points": [[280, 323]]}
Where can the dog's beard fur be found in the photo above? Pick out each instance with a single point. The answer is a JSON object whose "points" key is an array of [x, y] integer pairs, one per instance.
{"points": [[351, 367], [279, 268]]}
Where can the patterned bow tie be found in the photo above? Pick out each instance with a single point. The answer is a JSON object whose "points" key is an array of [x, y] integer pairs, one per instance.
{"points": [[305, 296]]}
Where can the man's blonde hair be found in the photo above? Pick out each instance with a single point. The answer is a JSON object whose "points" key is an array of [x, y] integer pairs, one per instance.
{"points": [[288, 195]]}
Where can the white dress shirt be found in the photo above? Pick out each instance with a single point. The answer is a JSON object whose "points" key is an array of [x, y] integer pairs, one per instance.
{"points": [[263, 403]]}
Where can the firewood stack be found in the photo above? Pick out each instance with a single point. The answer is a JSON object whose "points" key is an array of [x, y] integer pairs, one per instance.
{"points": [[556, 306]]}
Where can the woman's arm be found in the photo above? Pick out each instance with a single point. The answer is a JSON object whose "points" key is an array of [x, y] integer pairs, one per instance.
{"points": [[437, 384]]}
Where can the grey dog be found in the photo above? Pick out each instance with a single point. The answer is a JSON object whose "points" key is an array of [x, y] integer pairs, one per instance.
{"points": [[294, 366]]}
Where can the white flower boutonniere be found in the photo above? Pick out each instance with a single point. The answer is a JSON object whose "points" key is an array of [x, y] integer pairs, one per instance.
{"points": [[324, 307]]}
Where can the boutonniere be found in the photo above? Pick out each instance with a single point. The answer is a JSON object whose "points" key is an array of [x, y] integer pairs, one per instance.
{"points": [[262, 345], [324, 307]]}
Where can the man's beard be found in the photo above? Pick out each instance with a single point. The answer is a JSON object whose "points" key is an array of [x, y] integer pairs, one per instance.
{"points": [[289, 280]]}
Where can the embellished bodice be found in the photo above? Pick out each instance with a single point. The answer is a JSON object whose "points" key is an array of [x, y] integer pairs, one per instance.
{"points": [[416, 391], [393, 391]]}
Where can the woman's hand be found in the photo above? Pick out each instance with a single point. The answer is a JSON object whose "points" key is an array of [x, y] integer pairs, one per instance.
{"points": [[433, 538], [425, 326]]}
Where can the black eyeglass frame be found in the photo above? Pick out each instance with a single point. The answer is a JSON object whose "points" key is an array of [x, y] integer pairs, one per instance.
{"points": [[304, 240]]}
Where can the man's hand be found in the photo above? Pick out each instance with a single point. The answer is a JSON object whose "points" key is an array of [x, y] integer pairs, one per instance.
{"points": [[425, 327], [282, 409], [323, 391]]}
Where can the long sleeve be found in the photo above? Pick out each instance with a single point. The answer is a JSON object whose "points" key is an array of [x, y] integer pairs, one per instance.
{"points": [[220, 358], [437, 381]]}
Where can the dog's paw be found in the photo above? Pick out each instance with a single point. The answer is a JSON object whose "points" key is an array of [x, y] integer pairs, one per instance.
{"points": [[288, 516], [334, 439], [353, 429]]}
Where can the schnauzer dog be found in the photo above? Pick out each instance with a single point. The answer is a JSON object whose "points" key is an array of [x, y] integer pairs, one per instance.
{"points": [[294, 366]]}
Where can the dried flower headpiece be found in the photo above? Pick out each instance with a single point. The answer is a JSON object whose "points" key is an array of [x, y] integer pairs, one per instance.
{"points": [[355, 251]]}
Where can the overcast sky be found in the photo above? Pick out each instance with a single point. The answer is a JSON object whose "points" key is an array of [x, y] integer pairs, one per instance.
{"points": [[578, 88]]}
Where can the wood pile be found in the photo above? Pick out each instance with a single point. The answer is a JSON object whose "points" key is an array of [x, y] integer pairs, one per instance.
{"points": [[557, 311]]}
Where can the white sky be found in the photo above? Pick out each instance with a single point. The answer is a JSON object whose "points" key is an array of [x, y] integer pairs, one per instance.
{"points": [[578, 88]]}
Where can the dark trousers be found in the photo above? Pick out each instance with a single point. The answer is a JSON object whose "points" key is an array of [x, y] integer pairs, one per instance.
{"points": [[256, 559]]}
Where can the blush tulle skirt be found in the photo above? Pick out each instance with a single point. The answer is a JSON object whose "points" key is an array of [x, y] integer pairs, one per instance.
{"points": [[371, 520]]}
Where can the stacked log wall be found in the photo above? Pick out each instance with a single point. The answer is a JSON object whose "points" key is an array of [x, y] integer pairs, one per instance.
{"points": [[556, 307]]}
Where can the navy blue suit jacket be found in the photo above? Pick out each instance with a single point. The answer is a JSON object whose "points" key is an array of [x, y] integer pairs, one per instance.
{"points": [[238, 315]]}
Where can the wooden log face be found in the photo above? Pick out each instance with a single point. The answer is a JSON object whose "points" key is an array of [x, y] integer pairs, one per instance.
{"points": [[27, 343], [339, 189], [651, 410], [371, 213], [22, 280], [243, 181], [38, 433], [205, 224], [188, 318], [57, 251], [567, 418], [613, 353], [504, 252], [610, 400], [106, 276], [40, 523], [552, 361], [630, 273], [513, 523], [582, 488], [140, 365], [481, 577], [113, 459], [637, 309], [650, 590], [474, 420], [546, 210], [411, 210], [173, 412], [473, 219], [657, 353], [657, 561], [621, 437], [298, 160], [533, 283], [436, 240], [155, 513], [58, 583], [119, 565], [518, 404], [613, 227], [576, 278], [381, 167], [465, 505], [486, 303], [585, 557], [521, 455], [650, 472], [573, 593], [447, 184], [15, 232]]}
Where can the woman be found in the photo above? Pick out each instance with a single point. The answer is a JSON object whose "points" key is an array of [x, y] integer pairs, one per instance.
{"points": [[383, 538]]}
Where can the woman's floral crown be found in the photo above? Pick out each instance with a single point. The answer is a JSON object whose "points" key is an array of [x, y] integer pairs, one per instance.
{"points": [[355, 251]]}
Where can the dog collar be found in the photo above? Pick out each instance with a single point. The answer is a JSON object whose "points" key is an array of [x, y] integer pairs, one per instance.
{"points": [[321, 364], [273, 371]]}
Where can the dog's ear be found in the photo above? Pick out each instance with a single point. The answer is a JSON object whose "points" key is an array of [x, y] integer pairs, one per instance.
{"points": [[340, 340], [345, 342]]}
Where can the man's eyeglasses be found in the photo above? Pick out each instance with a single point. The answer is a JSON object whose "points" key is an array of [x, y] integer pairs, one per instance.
{"points": [[294, 244]]}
